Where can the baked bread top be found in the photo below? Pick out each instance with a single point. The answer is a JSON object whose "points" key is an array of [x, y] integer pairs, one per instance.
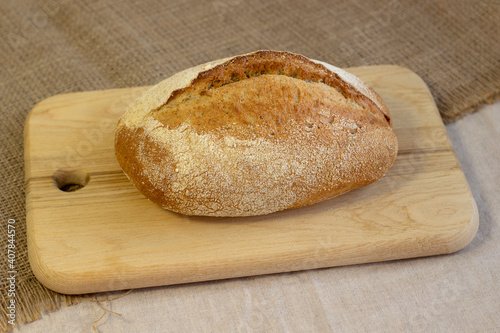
{"points": [[255, 134]]}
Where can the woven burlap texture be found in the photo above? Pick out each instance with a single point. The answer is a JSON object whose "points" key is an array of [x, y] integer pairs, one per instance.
{"points": [[65, 46]]}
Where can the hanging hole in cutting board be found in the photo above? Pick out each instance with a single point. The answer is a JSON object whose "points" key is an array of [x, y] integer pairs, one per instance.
{"points": [[70, 180]]}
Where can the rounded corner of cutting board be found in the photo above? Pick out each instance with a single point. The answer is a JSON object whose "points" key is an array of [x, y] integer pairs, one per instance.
{"points": [[49, 277], [39, 108], [47, 103], [53, 280], [467, 233], [386, 69]]}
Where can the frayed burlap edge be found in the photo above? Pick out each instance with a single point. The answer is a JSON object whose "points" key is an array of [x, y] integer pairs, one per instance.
{"points": [[468, 109], [40, 299]]}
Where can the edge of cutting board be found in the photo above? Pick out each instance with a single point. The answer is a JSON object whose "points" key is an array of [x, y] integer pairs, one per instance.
{"points": [[69, 283]]}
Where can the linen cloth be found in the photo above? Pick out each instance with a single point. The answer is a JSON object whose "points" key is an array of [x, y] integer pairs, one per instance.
{"points": [[63, 46]]}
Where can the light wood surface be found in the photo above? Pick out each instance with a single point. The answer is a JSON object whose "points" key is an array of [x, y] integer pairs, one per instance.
{"points": [[107, 236]]}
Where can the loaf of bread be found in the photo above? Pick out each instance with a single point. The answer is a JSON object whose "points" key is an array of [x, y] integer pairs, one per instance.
{"points": [[254, 134]]}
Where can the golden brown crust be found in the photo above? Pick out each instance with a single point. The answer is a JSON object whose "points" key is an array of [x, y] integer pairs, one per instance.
{"points": [[255, 134]]}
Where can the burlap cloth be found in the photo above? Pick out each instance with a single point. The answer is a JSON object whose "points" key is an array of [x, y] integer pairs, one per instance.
{"points": [[53, 47]]}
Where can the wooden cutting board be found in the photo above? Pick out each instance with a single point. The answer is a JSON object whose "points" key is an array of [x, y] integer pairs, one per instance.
{"points": [[107, 236]]}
